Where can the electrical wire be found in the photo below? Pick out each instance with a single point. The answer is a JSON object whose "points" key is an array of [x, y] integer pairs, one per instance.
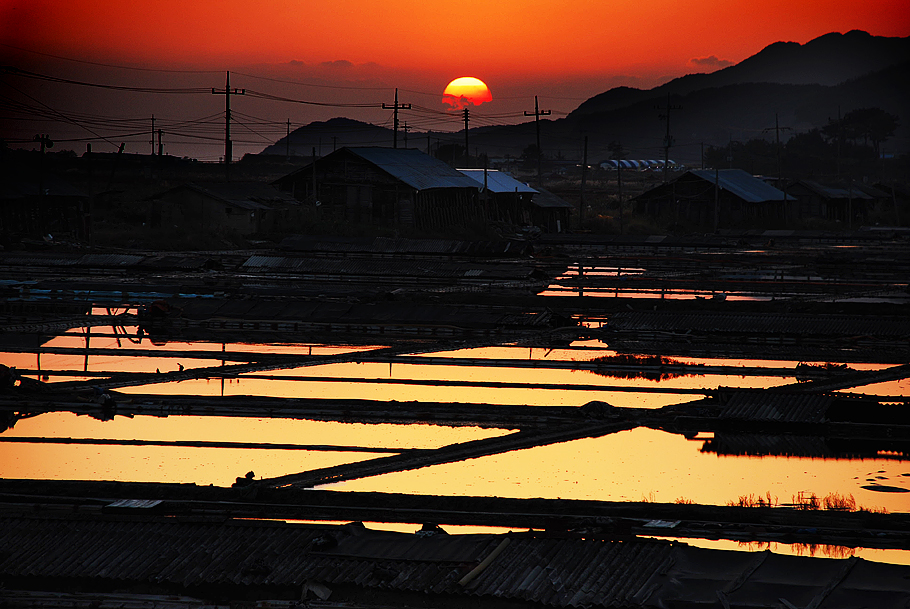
{"points": [[109, 65], [319, 86], [56, 79]]}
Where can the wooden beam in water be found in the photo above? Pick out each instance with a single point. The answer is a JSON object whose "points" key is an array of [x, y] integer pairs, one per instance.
{"points": [[446, 454], [205, 444]]}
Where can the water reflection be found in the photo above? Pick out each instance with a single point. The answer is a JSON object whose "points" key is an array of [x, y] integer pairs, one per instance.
{"points": [[630, 465]]}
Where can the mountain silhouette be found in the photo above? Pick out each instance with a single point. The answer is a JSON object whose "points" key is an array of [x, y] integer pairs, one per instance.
{"points": [[827, 60], [326, 136], [797, 87]]}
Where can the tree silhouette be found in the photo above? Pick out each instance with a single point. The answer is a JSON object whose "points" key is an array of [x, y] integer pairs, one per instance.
{"points": [[869, 124]]}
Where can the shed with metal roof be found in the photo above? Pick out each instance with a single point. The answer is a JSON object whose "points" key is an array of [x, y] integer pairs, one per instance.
{"points": [[386, 186], [717, 198], [271, 563], [241, 207], [514, 202], [841, 204]]}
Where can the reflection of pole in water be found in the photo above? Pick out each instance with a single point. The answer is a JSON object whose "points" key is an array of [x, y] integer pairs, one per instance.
{"points": [[88, 336]]}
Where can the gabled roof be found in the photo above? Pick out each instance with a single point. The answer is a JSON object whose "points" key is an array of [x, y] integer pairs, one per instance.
{"points": [[742, 184], [497, 181], [244, 195], [54, 186], [416, 169], [545, 198], [833, 192], [872, 191]]}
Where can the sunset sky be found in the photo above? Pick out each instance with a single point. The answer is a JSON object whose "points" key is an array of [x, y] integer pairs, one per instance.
{"points": [[564, 52]]}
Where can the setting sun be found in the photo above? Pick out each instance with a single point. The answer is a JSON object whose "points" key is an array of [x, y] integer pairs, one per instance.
{"points": [[465, 91]]}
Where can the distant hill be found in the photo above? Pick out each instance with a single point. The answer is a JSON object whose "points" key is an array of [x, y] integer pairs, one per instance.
{"points": [[828, 60], [741, 112], [325, 136], [802, 85]]}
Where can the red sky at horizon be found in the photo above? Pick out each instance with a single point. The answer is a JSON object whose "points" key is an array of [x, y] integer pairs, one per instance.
{"points": [[506, 39], [339, 55]]}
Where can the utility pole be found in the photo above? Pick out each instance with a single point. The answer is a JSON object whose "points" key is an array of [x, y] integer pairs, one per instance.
{"points": [[777, 128], [537, 114], [618, 153], [668, 139], [584, 178], [160, 145], [315, 199], [152, 141], [228, 150], [46, 143], [396, 107], [467, 153], [405, 129], [716, 197], [287, 142], [840, 128]]}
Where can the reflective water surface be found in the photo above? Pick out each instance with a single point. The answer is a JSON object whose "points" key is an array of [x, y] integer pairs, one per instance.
{"points": [[639, 464]]}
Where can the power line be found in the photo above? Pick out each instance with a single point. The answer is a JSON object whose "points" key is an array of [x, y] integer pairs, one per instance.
{"points": [[108, 65], [668, 139], [228, 149], [537, 114], [396, 107], [309, 84], [35, 75]]}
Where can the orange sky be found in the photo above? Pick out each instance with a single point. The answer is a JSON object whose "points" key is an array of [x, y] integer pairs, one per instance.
{"points": [[344, 58], [507, 37]]}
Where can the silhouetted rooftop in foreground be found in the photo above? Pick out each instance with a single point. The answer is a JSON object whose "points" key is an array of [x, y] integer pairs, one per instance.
{"points": [[350, 564]]}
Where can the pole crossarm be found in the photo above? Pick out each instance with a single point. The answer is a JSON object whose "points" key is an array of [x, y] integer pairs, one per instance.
{"points": [[227, 92], [396, 107], [537, 114]]}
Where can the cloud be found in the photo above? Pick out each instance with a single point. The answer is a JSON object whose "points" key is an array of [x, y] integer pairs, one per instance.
{"points": [[710, 63], [338, 64], [456, 103]]}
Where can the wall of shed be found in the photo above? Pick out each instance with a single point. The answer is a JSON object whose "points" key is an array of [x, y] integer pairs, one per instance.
{"points": [[349, 188], [36, 216], [195, 211], [693, 201]]}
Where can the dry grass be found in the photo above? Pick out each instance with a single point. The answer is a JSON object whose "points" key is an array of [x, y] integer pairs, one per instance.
{"points": [[751, 500]]}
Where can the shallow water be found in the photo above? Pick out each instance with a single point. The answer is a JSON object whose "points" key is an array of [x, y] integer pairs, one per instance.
{"points": [[635, 465]]}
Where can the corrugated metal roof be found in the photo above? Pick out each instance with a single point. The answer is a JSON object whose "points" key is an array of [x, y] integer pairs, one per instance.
{"points": [[245, 195], [775, 406], [401, 313], [432, 269], [552, 571], [109, 260], [541, 570], [726, 443], [416, 169], [497, 181], [741, 184], [761, 323], [54, 186], [387, 245], [833, 192], [545, 198]]}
